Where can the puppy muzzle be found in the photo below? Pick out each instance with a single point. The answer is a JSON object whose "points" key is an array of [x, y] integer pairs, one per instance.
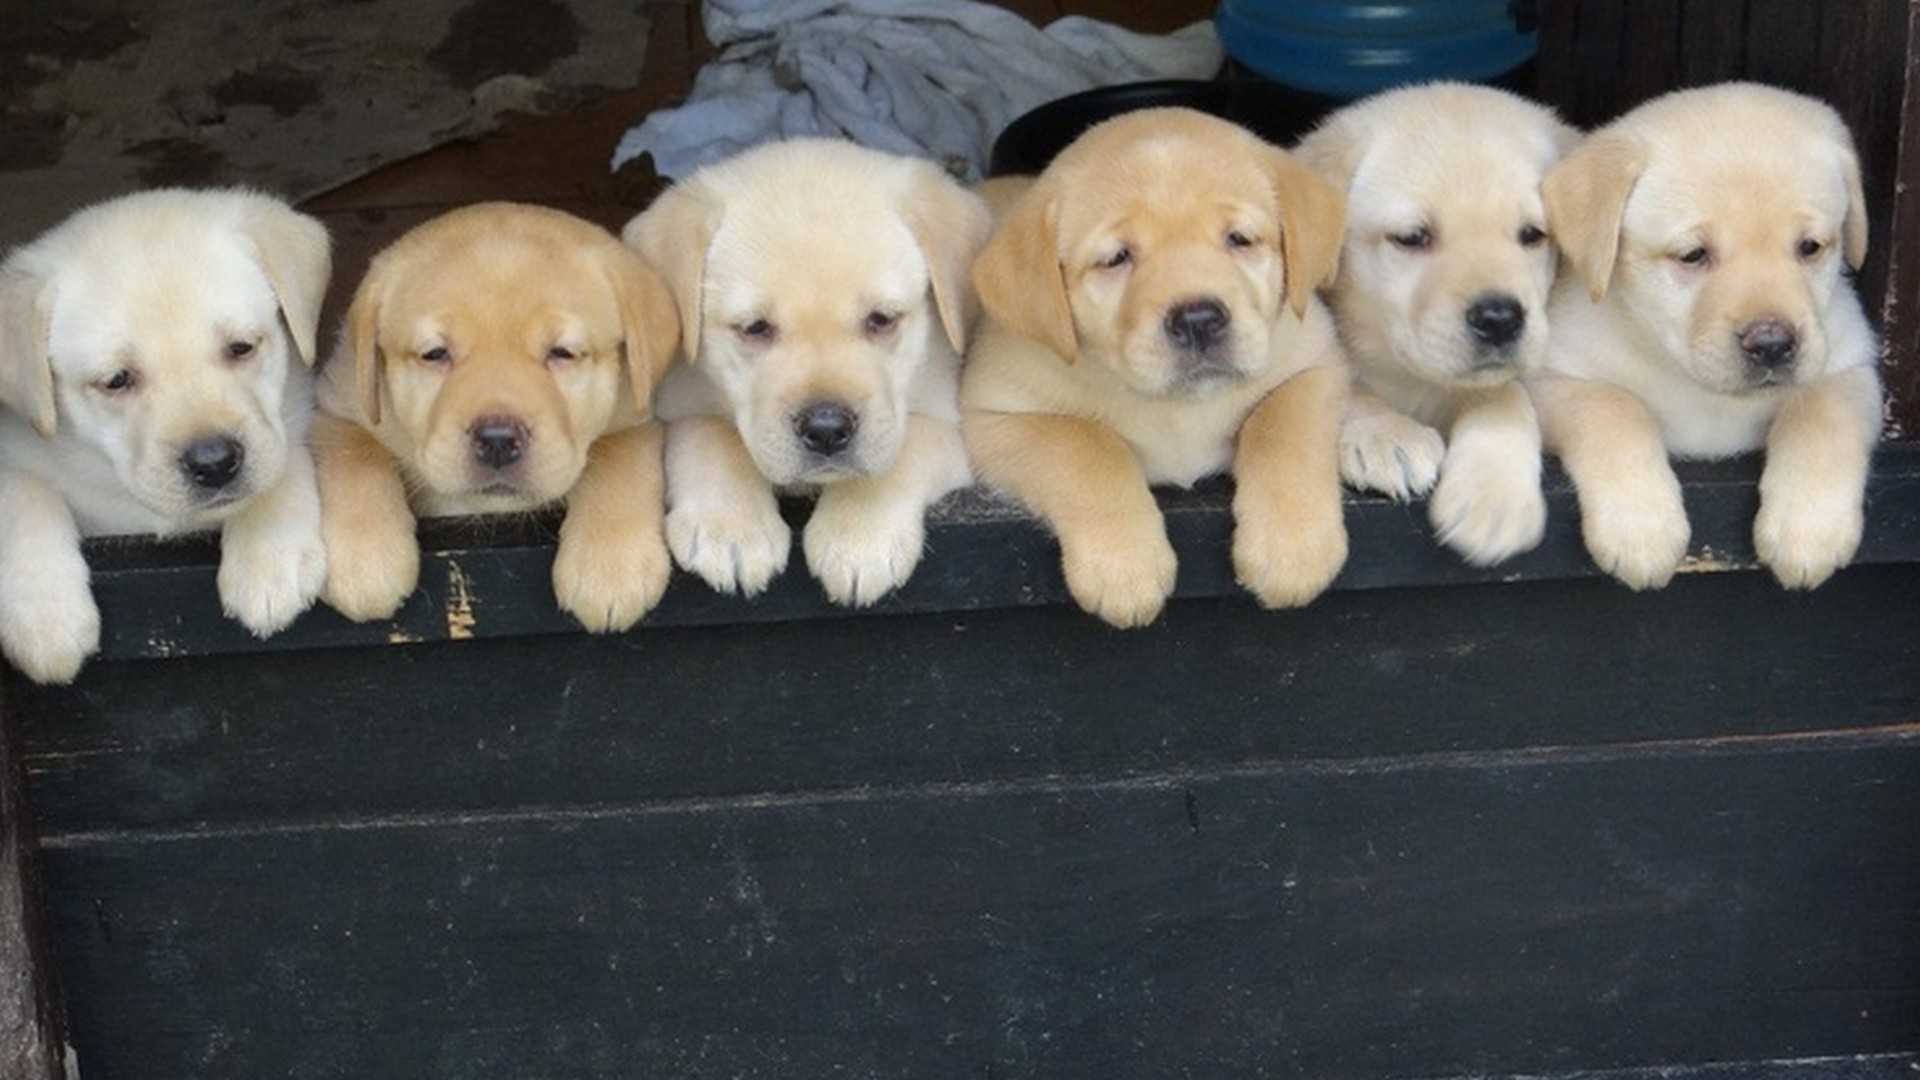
{"points": [[213, 467], [1770, 348]]}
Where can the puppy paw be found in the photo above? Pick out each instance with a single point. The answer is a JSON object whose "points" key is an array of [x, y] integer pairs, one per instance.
{"points": [[1637, 535], [610, 583], [1391, 454], [861, 551], [266, 580], [1287, 564], [371, 570], [49, 628], [731, 548], [1124, 582], [1804, 540], [1487, 508]]}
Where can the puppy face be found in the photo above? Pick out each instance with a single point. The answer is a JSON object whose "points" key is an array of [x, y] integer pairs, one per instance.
{"points": [[159, 330], [818, 281], [1446, 265], [1716, 221], [1172, 277], [494, 344]]}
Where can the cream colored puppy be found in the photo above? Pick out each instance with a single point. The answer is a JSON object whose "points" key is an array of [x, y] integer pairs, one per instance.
{"points": [[153, 354], [1442, 302], [1709, 314], [499, 358], [824, 303], [1152, 320]]}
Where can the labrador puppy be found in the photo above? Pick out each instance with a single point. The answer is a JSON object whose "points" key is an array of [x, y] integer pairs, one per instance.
{"points": [[824, 304], [499, 358], [153, 360], [1441, 301], [1708, 313], [1151, 318]]}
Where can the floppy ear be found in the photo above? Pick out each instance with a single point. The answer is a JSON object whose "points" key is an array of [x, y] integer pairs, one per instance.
{"points": [[673, 235], [26, 371], [1586, 196], [1854, 229], [294, 251], [1018, 274], [1313, 222], [363, 337], [648, 322], [950, 224]]}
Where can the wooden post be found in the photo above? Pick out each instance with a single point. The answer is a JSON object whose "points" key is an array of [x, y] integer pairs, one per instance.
{"points": [[30, 1028], [1901, 309]]}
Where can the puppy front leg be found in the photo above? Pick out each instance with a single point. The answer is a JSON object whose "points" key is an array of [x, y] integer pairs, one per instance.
{"points": [[1631, 513], [273, 559], [1488, 505], [373, 554], [1813, 487], [1385, 450], [612, 564], [1289, 526], [1084, 482], [723, 521], [49, 624], [867, 532]]}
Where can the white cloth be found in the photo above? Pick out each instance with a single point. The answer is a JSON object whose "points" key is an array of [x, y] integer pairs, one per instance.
{"points": [[934, 78]]}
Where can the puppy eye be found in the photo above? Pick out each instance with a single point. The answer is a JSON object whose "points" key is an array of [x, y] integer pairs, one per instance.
{"points": [[239, 350], [119, 382], [1116, 260], [879, 322], [1412, 240], [1810, 248], [759, 330], [1694, 256], [561, 354], [437, 355], [1237, 240], [1531, 235]]}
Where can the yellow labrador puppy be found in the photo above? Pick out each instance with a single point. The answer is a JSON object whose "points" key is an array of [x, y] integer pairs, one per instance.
{"points": [[1151, 319], [824, 303], [1709, 314], [499, 359], [153, 359], [1442, 302]]}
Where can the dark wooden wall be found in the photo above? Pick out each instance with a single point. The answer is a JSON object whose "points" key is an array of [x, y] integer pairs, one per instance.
{"points": [[1599, 59]]}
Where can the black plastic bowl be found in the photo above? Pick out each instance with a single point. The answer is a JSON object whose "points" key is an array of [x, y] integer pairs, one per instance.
{"points": [[1274, 112]]}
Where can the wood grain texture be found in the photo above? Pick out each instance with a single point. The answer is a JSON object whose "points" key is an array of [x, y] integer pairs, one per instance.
{"points": [[31, 1022]]}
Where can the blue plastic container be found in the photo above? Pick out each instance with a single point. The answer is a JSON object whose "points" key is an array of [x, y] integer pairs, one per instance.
{"points": [[1346, 49]]}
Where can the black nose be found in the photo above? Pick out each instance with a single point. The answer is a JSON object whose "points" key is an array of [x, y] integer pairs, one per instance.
{"points": [[1769, 343], [826, 427], [1496, 320], [1197, 324], [498, 441], [213, 463]]}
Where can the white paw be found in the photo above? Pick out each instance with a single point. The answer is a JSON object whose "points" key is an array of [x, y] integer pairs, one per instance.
{"points": [[734, 549], [610, 586], [268, 578], [1804, 540], [49, 624], [1125, 584], [1638, 534], [1489, 508], [861, 551], [1391, 454], [371, 570]]}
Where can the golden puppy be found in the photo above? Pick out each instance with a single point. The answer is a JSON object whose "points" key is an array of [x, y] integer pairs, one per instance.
{"points": [[1152, 320], [153, 351], [499, 358], [1709, 314], [823, 299], [1441, 302]]}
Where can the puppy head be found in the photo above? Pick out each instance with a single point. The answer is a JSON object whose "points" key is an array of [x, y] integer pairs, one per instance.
{"points": [[1446, 266], [1173, 275], [494, 344], [817, 283], [1716, 221], [157, 329]]}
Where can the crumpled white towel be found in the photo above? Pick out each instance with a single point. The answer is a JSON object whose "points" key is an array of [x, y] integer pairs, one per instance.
{"points": [[933, 78]]}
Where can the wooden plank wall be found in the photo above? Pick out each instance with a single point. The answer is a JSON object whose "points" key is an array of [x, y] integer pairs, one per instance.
{"points": [[30, 1017], [1600, 59]]}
